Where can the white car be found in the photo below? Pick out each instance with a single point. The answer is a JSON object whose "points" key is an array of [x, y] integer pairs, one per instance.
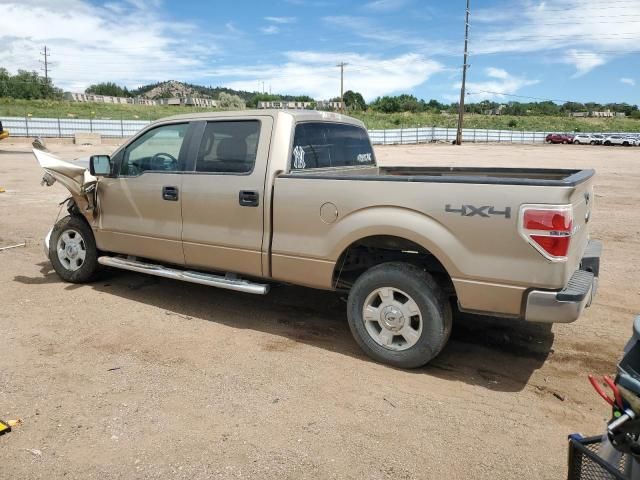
{"points": [[583, 138], [620, 140]]}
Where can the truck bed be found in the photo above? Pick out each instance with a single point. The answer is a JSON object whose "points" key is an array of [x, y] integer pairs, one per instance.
{"points": [[478, 175]]}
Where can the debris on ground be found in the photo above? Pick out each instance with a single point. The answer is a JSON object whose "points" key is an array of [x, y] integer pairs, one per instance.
{"points": [[23, 244], [35, 452]]}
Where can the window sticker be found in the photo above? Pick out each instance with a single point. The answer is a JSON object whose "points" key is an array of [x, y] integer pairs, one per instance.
{"points": [[364, 158], [298, 157]]}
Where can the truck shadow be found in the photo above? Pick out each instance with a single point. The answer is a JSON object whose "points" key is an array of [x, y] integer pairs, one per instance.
{"points": [[497, 354]]}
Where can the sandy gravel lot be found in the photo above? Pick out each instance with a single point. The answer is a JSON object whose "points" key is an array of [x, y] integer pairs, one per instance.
{"points": [[140, 377]]}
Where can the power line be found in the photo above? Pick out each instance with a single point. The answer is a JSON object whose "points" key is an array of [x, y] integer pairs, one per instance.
{"points": [[342, 65], [464, 76], [45, 63]]}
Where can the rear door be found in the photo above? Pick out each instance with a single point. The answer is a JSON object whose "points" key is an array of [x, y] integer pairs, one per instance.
{"points": [[223, 195]]}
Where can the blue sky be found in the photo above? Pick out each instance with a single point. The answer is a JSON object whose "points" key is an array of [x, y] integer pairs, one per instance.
{"points": [[563, 50]]}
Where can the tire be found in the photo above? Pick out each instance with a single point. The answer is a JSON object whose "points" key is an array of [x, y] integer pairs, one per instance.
{"points": [[399, 289], [564, 142], [592, 142], [576, 142], [607, 143], [625, 144], [72, 250]]}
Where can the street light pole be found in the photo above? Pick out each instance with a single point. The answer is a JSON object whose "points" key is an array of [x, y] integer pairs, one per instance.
{"points": [[464, 77]]}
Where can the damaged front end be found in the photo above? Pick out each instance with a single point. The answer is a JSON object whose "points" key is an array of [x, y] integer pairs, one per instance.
{"points": [[77, 179]]}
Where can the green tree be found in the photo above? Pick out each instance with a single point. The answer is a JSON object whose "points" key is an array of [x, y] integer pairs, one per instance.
{"points": [[108, 88], [230, 102], [354, 100]]}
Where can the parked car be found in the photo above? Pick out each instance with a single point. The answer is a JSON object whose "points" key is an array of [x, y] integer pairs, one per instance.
{"points": [[620, 140], [597, 139], [3, 132], [559, 138], [583, 138], [239, 200]]}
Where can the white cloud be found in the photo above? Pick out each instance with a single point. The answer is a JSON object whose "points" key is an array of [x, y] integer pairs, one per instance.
{"points": [[270, 30], [584, 62], [281, 20], [126, 42], [385, 5], [628, 81], [498, 83], [583, 36], [315, 74]]}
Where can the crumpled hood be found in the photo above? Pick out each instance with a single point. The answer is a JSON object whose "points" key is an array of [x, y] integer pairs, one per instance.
{"points": [[76, 178]]}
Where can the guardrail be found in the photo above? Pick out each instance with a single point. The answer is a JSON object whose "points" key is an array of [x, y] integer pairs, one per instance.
{"points": [[67, 127]]}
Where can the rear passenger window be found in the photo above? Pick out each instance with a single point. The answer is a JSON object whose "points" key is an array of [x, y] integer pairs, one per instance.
{"points": [[229, 147], [322, 145]]}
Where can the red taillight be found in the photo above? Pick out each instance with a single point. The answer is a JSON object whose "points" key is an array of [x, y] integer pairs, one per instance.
{"points": [[548, 229]]}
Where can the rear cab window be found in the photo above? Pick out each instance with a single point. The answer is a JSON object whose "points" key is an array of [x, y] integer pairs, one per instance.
{"points": [[326, 145]]}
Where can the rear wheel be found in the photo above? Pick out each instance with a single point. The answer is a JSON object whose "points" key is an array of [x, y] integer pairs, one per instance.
{"points": [[607, 143], [592, 142], [72, 250], [576, 142], [399, 315], [564, 142]]}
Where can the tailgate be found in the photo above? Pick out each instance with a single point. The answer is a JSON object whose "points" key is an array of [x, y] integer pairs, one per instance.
{"points": [[582, 203]]}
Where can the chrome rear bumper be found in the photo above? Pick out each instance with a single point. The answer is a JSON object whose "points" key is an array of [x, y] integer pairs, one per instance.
{"points": [[567, 305]]}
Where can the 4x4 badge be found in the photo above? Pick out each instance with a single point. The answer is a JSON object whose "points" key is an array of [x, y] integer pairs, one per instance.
{"points": [[484, 211]]}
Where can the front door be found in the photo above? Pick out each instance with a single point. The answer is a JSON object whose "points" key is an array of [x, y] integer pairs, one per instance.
{"points": [[140, 209], [223, 197]]}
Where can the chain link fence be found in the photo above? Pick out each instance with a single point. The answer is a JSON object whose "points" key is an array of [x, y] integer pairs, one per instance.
{"points": [[68, 127]]}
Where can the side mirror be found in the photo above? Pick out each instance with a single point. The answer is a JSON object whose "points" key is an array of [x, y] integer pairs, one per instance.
{"points": [[100, 165]]}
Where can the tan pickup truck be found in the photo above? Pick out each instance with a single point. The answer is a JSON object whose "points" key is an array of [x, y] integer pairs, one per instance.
{"points": [[238, 200]]}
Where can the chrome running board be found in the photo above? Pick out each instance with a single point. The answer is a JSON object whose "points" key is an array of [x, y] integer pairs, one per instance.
{"points": [[228, 281]]}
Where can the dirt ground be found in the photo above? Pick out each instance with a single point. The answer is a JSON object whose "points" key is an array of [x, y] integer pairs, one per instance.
{"points": [[140, 377]]}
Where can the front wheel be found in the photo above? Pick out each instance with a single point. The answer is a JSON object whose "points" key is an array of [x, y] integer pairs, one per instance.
{"points": [[607, 143], [72, 250], [399, 315]]}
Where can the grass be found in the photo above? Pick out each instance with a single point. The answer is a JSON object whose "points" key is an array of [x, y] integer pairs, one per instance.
{"points": [[374, 120]]}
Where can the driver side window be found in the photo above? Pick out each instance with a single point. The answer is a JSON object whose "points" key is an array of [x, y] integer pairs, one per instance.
{"points": [[158, 150]]}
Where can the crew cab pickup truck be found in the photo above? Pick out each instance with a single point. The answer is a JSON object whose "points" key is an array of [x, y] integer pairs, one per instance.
{"points": [[239, 200]]}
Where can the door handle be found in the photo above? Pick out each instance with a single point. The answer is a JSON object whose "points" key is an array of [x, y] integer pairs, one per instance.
{"points": [[249, 198], [170, 193]]}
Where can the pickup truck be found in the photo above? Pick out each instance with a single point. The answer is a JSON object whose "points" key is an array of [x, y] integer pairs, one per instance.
{"points": [[239, 200]]}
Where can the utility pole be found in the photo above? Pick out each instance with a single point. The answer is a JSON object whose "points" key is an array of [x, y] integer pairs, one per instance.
{"points": [[45, 63], [342, 65], [464, 77]]}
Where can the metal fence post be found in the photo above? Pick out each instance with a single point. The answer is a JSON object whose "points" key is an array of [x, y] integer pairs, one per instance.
{"points": [[384, 136], [447, 137], [59, 129], [511, 137], [401, 134], [433, 133], [121, 127], [487, 132], [91, 124], [499, 135], [417, 138], [26, 124], [474, 135]]}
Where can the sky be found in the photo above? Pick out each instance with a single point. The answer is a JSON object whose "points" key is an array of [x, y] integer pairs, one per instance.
{"points": [[524, 50]]}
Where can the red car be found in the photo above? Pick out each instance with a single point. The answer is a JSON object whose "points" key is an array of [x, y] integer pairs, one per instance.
{"points": [[559, 138]]}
